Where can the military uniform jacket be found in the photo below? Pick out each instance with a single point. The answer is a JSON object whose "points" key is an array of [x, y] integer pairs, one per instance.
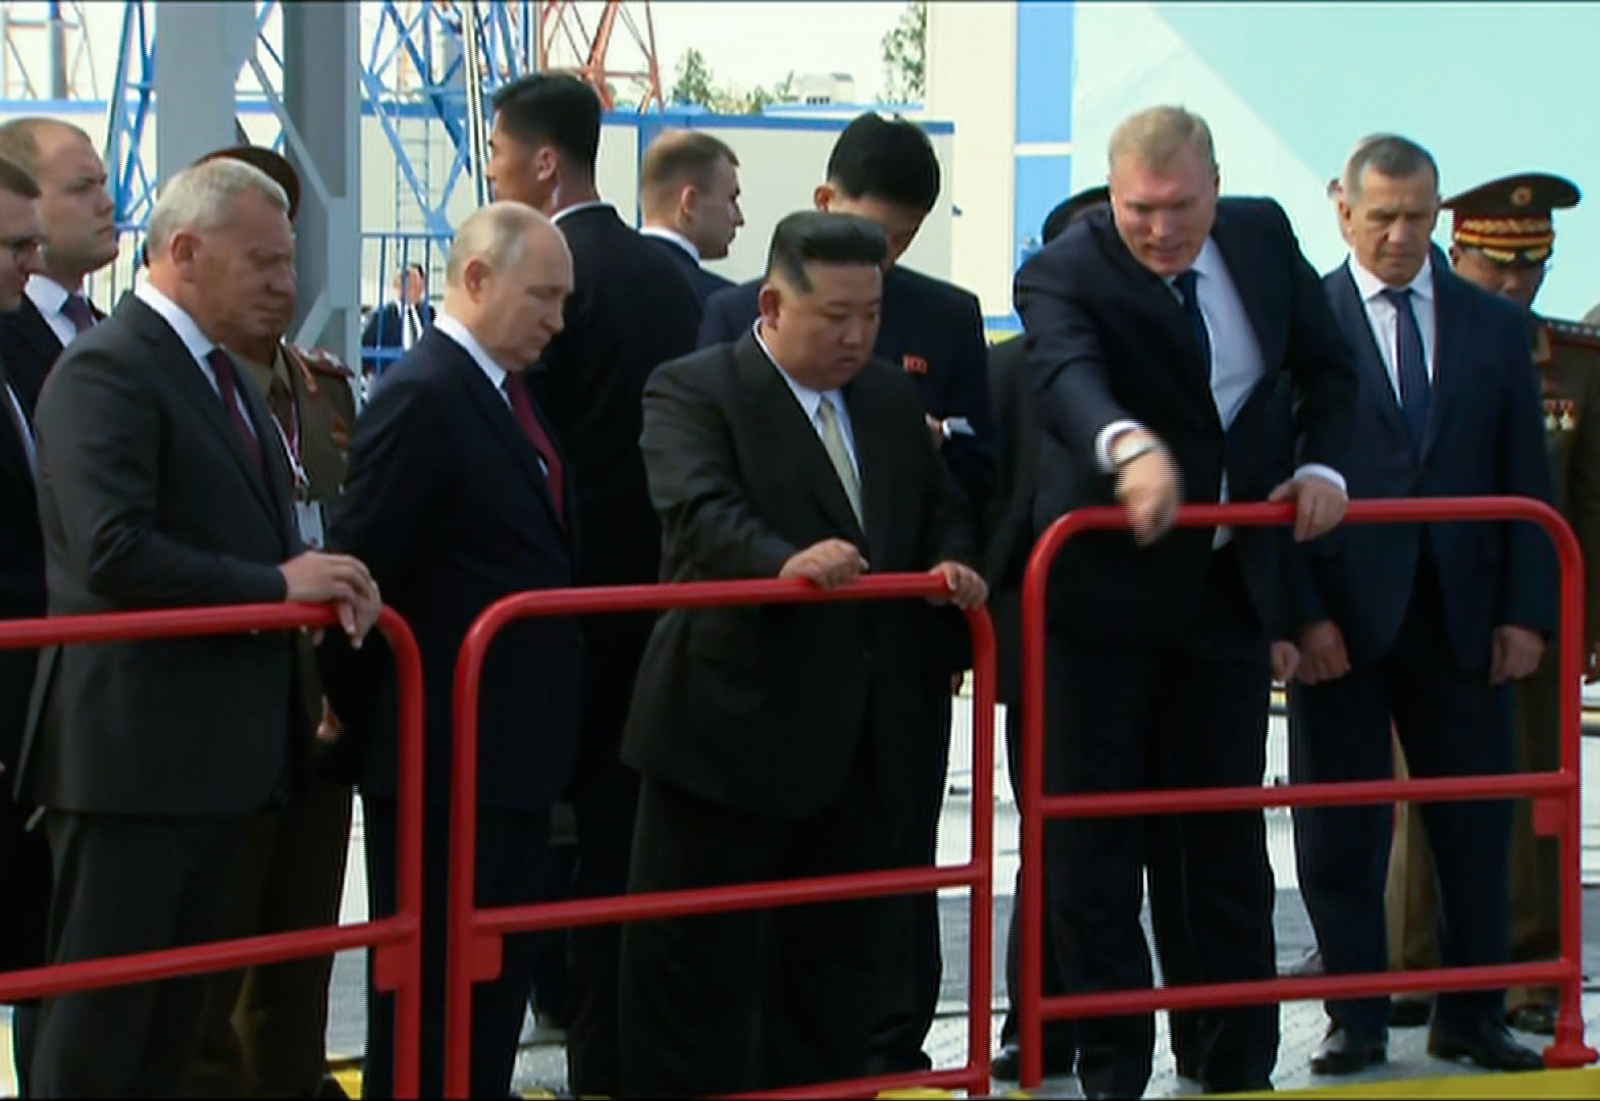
{"points": [[1567, 357]]}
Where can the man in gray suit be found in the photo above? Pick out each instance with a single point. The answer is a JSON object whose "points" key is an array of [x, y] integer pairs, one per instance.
{"points": [[162, 483]]}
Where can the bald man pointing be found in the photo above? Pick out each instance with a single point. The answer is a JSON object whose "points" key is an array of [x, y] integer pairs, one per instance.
{"points": [[457, 490]]}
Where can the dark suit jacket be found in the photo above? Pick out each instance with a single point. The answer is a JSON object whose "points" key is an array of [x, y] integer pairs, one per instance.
{"points": [[148, 499], [704, 283], [1108, 339], [22, 591], [448, 505], [630, 310], [1485, 436], [931, 329], [1007, 522], [384, 334], [30, 348], [762, 709]]}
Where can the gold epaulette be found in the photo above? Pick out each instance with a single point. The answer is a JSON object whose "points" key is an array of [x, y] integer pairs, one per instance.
{"points": [[1573, 333]]}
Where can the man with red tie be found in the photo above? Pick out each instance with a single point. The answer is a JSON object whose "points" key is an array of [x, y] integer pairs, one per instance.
{"points": [[458, 492], [79, 239]]}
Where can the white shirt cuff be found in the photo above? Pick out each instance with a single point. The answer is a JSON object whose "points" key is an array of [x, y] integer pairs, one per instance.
{"points": [[1326, 473], [1102, 441]]}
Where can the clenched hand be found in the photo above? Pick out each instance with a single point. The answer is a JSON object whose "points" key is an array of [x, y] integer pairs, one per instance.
{"points": [[827, 564], [337, 579]]}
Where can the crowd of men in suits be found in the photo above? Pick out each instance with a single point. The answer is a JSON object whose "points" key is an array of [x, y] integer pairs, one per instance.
{"points": [[588, 406]]}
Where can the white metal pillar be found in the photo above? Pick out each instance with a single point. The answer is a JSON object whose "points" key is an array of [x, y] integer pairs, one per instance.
{"points": [[321, 115], [200, 48]]}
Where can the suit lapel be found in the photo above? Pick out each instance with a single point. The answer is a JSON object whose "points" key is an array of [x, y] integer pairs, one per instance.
{"points": [[1448, 312], [771, 399], [15, 447], [1231, 246], [190, 380], [494, 408], [1352, 316], [44, 348], [876, 460]]}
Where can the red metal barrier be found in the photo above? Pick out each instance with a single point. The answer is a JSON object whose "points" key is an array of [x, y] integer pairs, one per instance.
{"points": [[396, 940], [1560, 788], [475, 935]]}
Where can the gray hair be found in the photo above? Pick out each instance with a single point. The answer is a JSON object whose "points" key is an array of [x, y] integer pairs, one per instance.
{"points": [[497, 234], [1156, 135], [202, 197], [1388, 155]]}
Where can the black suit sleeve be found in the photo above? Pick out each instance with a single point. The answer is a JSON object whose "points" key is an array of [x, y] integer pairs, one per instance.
{"points": [[1529, 587], [971, 459], [1320, 362], [718, 324], [100, 451], [1065, 357], [694, 480]]}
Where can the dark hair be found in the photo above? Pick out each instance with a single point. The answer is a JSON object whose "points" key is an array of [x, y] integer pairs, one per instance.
{"points": [[808, 236], [552, 109], [679, 156], [412, 266], [883, 159], [1070, 210], [1388, 155], [17, 180]]}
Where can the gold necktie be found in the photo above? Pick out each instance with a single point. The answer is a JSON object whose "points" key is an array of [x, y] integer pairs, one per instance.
{"points": [[839, 455]]}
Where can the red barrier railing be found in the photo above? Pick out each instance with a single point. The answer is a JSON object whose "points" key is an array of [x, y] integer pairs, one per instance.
{"points": [[475, 934], [1560, 788], [396, 941]]}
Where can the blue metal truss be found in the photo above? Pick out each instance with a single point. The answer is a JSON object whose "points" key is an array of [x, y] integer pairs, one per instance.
{"points": [[424, 43]]}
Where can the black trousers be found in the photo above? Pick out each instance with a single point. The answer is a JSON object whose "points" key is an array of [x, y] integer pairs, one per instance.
{"points": [[1151, 711], [912, 964], [130, 884], [512, 847], [1450, 722], [604, 794], [750, 999]]}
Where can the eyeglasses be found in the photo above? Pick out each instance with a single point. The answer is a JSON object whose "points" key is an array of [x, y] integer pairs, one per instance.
{"points": [[22, 246]]}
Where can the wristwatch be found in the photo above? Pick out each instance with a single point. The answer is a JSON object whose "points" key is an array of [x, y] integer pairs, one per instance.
{"points": [[1129, 445]]}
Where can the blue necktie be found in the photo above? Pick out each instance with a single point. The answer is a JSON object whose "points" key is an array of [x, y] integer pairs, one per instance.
{"points": [[1185, 283], [1416, 395]]}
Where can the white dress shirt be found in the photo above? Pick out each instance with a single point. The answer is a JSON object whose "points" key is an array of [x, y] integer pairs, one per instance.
{"points": [[811, 401], [495, 373], [666, 233], [197, 342], [50, 296], [575, 207], [1381, 314]]}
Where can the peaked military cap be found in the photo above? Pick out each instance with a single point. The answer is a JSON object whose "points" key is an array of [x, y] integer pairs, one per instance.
{"points": [[1508, 219]]}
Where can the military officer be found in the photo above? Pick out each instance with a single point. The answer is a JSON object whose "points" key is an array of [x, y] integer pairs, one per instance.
{"points": [[265, 1027], [1501, 239]]}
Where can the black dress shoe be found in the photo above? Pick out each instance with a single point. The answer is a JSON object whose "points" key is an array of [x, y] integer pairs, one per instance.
{"points": [[1007, 1063], [1538, 1018], [1487, 1043], [1346, 1052], [1409, 1011]]}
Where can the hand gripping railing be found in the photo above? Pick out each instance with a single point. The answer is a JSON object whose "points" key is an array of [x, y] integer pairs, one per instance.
{"points": [[1556, 796], [396, 941], [476, 934]]}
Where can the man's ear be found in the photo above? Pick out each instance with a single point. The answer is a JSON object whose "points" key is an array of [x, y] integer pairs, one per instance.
{"points": [[768, 300], [823, 197]]}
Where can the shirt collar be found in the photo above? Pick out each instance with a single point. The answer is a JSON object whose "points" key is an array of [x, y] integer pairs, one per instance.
{"points": [[1369, 286], [810, 400], [459, 333], [1206, 264], [575, 207], [188, 331], [47, 294], [667, 233]]}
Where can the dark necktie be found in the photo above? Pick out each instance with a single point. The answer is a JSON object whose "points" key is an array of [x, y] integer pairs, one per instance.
{"points": [[1416, 395], [1191, 306], [76, 310], [522, 408], [228, 387]]}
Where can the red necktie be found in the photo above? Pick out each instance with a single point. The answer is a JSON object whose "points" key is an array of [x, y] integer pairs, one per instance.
{"points": [[522, 408], [228, 386]]}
